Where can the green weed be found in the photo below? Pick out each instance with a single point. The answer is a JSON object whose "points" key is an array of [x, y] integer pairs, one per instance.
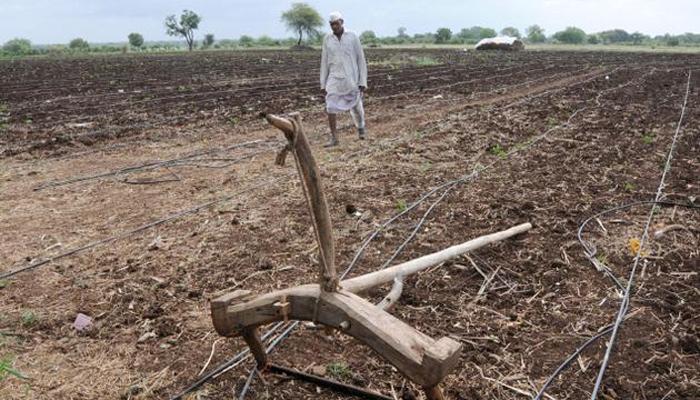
{"points": [[233, 120], [401, 205], [552, 122], [426, 61], [629, 186], [4, 116], [6, 369], [29, 318], [338, 370], [498, 150], [602, 258], [648, 138]]}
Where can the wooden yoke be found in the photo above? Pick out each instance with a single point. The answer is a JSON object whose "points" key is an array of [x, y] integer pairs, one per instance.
{"points": [[311, 184]]}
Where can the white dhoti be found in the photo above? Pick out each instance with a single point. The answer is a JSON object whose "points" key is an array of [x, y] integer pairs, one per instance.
{"points": [[343, 72], [337, 103]]}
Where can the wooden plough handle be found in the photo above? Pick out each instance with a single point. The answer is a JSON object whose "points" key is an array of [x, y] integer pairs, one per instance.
{"points": [[313, 190]]}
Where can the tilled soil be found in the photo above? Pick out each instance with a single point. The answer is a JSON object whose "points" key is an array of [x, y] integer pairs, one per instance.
{"points": [[547, 138]]}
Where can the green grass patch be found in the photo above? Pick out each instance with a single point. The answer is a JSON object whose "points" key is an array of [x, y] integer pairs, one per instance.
{"points": [[29, 318], [648, 138], [602, 258], [552, 122], [426, 61], [338, 371], [629, 186], [498, 150], [401, 205], [7, 370], [233, 121], [4, 117], [404, 60]]}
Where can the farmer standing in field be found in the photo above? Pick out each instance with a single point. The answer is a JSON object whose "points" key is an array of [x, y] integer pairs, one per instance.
{"points": [[343, 76]]}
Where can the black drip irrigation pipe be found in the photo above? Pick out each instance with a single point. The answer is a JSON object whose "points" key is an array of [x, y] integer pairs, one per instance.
{"points": [[624, 304], [586, 248], [149, 165], [334, 385], [172, 217]]}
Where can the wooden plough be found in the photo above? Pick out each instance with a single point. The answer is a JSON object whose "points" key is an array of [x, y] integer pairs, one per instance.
{"points": [[335, 304]]}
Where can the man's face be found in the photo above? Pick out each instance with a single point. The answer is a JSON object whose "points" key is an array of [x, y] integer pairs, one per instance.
{"points": [[337, 26]]}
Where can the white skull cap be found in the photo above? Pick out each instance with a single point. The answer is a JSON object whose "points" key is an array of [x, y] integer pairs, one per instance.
{"points": [[335, 15]]}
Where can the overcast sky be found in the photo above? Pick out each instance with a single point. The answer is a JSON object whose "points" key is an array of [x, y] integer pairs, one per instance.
{"points": [[58, 21]]}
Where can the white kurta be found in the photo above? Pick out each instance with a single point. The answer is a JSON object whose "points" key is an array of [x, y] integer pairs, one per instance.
{"points": [[343, 65]]}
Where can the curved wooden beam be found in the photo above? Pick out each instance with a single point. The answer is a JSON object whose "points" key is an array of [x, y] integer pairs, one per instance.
{"points": [[417, 356]]}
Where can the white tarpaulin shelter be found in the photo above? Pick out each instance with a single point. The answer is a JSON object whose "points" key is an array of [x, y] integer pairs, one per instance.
{"points": [[500, 43]]}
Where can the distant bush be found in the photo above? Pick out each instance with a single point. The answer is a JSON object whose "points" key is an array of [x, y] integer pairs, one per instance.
{"points": [[593, 39], [79, 44], [226, 44], [443, 35], [246, 41], [208, 40], [136, 40], [368, 38], [510, 31], [18, 47], [266, 41], [535, 34], [571, 35], [614, 36]]}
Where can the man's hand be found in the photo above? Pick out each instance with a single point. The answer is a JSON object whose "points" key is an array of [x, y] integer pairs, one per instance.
{"points": [[323, 92], [362, 90]]}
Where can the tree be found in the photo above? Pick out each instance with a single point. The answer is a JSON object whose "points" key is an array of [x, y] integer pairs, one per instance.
{"points": [[208, 40], [402, 33], [673, 41], [302, 18], [246, 41], [78, 44], [18, 46], [267, 41], [510, 31], [226, 44], [475, 33], [593, 39], [368, 37], [189, 22], [487, 33], [571, 35], [615, 36], [136, 40], [535, 34], [443, 35], [638, 37]]}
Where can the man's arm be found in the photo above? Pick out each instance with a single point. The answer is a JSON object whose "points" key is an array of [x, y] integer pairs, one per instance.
{"points": [[361, 64], [324, 65]]}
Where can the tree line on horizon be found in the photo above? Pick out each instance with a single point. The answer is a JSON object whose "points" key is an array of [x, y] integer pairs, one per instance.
{"points": [[302, 19]]}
